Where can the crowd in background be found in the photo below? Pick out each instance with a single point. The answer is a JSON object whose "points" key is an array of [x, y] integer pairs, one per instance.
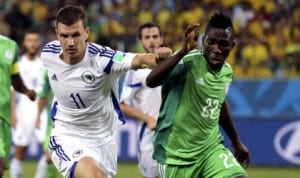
{"points": [[267, 40]]}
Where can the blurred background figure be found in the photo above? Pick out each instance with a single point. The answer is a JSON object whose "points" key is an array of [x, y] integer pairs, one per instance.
{"points": [[24, 110]]}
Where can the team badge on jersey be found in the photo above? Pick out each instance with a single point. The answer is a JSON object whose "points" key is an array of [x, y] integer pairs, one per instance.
{"points": [[77, 153], [88, 77], [118, 57], [8, 54]]}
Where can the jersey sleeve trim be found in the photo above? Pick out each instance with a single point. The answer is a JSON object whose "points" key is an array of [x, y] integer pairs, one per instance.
{"points": [[15, 69], [52, 48]]}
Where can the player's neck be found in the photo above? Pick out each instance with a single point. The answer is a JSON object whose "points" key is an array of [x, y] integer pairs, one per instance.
{"points": [[31, 56], [71, 60]]}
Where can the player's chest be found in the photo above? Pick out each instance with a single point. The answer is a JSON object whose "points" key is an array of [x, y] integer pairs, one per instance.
{"points": [[208, 84], [74, 80]]}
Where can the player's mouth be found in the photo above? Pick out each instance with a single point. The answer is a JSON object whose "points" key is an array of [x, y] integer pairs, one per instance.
{"points": [[71, 51], [215, 60]]}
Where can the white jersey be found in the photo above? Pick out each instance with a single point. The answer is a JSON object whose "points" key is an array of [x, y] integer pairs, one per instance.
{"points": [[148, 100], [25, 109], [85, 101]]}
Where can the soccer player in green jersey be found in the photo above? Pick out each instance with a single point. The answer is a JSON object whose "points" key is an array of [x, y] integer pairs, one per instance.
{"points": [[45, 97], [187, 140], [9, 75]]}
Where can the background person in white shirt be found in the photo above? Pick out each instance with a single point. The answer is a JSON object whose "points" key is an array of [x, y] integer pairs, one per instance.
{"points": [[84, 79], [25, 110], [142, 103]]}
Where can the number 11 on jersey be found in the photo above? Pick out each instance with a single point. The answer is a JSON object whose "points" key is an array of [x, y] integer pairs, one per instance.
{"points": [[77, 100]]}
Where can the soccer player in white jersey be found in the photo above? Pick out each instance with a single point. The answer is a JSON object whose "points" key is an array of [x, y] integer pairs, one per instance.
{"points": [[25, 110], [142, 103], [84, 79]]}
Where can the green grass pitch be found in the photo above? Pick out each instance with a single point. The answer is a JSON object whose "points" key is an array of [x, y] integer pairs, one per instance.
{"points": [[130, 170]]}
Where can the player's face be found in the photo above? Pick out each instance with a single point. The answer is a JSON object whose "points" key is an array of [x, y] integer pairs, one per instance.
{"points": [[217, 44], [73, 40], [32, 43], [150, 39]]}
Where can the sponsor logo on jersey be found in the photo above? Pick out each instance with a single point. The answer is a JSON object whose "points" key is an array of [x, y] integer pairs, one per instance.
{"points": [[77, 153], [8, 54], [287, 142], [88, 77], [118, 57], [200, 81]]}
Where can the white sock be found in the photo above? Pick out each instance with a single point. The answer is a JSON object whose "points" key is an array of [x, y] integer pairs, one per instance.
{"points": [[15, 168], [41, 168]]}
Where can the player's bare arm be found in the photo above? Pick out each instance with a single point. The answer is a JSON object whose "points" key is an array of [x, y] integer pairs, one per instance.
{"points": [[133, 112], [161, 71], [240, 150], [149, 60], [19, 86]]}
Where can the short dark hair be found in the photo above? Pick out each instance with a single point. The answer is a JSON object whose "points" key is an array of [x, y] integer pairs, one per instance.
{"points": [[71, 14], [219, 20], [148, 25]]}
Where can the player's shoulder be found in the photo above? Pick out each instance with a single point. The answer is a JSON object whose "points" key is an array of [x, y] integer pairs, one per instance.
{"points": [[52, 47], [96, 49], [194, 53], [8, 41]]}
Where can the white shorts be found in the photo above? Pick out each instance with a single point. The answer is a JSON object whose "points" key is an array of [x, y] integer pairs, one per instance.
{"points": [[66, 151], [147, 164], [26, 129]]}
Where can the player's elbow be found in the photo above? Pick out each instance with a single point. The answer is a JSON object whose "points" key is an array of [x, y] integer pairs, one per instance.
{"points": [[151, 82]]}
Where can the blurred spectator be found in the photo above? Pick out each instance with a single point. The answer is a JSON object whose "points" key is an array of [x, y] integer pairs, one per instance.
{"points": [[270, 22]]}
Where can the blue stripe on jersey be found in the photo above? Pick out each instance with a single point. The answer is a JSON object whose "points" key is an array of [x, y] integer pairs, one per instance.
{"points": [[58, 149], [129, 80], [55, 47], [142, 131], [96, 48], [108, 67], [52, 48], [135, 85], [54, 109], [50, 51], [117, 108], [141, 134], [72, 170]]}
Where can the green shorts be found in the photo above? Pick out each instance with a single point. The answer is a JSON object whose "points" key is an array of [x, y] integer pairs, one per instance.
{"points": [[5, 141], [218, 163]]}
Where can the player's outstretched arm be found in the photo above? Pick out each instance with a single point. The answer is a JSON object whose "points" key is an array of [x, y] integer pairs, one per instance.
{"points": [[149, 60], [240, 150], [19, 86], [160, 72]]}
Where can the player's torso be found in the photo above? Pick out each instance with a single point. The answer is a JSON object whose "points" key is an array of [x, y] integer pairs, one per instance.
{"points": [[204, 90], [7, 54], [191, 120], [75, 86], [145, 99], [31, 71], [7, 59]]}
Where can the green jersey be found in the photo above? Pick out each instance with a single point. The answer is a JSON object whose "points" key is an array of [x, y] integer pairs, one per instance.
{"points": [[8, 67], [188, 123]]}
